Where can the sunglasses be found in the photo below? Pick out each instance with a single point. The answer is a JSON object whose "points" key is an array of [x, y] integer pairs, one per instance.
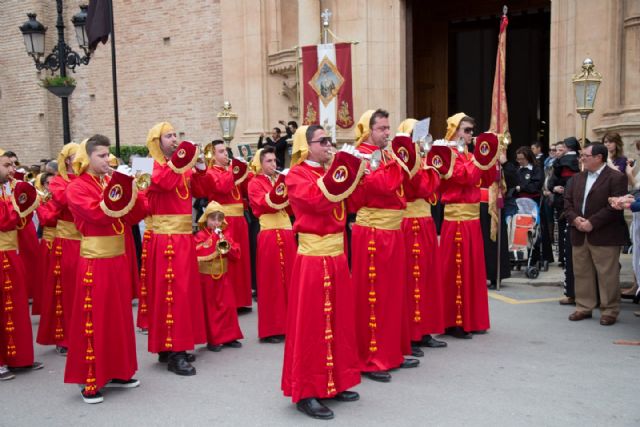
{"points": [[326, 141], [467, 130]]}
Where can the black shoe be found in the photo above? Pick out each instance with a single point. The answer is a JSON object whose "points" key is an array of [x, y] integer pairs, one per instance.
{"points": [[214, 347], [6, 374], [163, 357], [243, 310], [416, 351], [347, 396], [479, 332], [179, 365], [315, 409], [458, 332], [409, 363], [233, 344], [62, 351], [116, 383], [34, 367], [493, 285], [380, 376], [92, 398], [274, 339], [431, 342]]}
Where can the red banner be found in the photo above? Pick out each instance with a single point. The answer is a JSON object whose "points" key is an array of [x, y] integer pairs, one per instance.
{"points": [[310, 101], [344, 116], [499, 112]]}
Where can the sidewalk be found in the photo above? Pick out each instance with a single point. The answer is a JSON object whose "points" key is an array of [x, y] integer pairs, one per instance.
{"points": [[555, 275]]}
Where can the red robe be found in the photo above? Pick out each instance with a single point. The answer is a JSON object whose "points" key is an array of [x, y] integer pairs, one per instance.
{"points": [[275, 256], [51, 326], [142, 319], [102, 343], [221, 315], [424, 289], [16, 338], [379, 317], [29, 251], [320, 356], [60, 282], [462, 240], [217, 183], [175, 325]]}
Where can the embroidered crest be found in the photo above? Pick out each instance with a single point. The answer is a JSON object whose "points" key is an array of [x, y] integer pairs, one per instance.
{"points": [[484, 148], [115, 193], [22, 199], [341, 174], [236, 170], [403, 154], [182, 153], [344, 118], [281, 189], [437, 162]]}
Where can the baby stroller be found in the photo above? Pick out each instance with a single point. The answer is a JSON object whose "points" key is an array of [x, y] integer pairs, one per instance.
{"points": [[524, 236]]}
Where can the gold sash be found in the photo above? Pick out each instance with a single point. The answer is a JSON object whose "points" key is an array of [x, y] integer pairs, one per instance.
{"points": [[234, 209], [462, 211], [215, 267], [315, 245], [384, 219], [9, 240], [102, 246], [148, 223], [418, 209], [172, 224], [48, 233], [279, 220], [67, 230]]}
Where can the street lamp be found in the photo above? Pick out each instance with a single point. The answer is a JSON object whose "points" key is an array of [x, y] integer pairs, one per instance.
{"points": [[62, 56], [586, 86], [227, 119]]}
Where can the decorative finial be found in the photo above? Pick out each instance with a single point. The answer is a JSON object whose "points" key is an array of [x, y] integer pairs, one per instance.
{"points": [[326, 15], [505, 9]]}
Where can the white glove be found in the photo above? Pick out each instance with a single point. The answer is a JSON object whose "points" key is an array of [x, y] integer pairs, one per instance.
{"points": [[201, 166], [284, 171]]}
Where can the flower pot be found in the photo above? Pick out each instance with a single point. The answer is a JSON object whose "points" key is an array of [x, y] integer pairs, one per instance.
{"points": [[61, 91]]}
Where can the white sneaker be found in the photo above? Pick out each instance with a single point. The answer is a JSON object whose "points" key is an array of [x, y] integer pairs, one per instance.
{"points": [[6, 374], [93, 398], [115, 383]]}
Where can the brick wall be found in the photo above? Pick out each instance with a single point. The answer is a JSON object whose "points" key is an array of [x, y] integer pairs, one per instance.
{"points": [[169, 64]]}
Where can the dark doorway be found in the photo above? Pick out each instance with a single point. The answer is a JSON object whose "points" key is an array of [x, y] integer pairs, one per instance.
{"points": [[453, 51]]}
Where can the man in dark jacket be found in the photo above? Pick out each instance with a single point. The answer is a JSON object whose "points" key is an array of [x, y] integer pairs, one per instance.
{"points": [[276, 141], [565, 166], [597, 233]]}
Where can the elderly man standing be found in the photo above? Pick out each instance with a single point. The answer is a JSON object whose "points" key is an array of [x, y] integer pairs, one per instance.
{"points": [[597, 233]]}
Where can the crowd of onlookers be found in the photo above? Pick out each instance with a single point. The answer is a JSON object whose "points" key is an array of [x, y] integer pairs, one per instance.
{"points": [[546, 178]]}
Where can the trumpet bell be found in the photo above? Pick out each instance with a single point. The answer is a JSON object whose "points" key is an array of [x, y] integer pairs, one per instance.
{"points": [[222, 246], [143, 181]]}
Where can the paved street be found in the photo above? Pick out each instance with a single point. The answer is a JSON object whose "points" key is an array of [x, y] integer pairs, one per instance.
{"points": [[534, 367]]}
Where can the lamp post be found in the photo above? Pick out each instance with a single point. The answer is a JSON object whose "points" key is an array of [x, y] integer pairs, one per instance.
{"points": [[62, 56], [227, 119], [586, 86]]}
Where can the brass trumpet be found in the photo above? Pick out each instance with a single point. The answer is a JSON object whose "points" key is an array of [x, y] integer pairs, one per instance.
{"points": [[222, 245], [143, 181], [207, 154], [45, 196]]}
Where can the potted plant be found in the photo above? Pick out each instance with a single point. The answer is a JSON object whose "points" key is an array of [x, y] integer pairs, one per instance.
{"points": [[58, 85]]}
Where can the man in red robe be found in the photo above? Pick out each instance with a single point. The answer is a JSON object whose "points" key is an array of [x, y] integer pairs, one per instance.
{"points": [[214, 247], [223, 182], [424, 290], [378, 253], [276, 245], [320, 356], [60, 277], [461, 254], [16, 339], [102, 348], [176, 314]]}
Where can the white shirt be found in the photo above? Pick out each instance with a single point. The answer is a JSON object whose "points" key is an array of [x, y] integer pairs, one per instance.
{"points": [[591, 179]]}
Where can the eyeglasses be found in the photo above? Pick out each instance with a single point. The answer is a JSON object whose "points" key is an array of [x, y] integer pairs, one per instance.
{"points": [[467, 130], [326, 141]]}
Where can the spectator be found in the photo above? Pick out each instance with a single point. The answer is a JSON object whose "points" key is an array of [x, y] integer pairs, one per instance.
{"points": [[536, 149], [615, 149], [597, 233], [564, 167], [276, 141]]}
